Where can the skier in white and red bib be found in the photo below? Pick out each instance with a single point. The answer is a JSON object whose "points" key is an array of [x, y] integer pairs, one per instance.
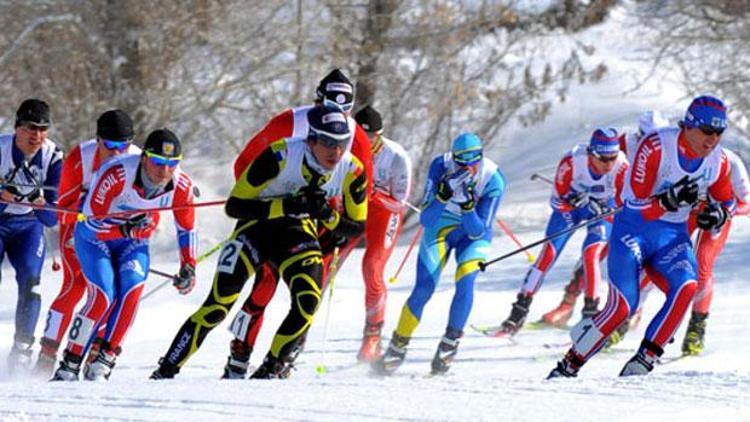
{"points": [[113, 249], [672, 168]]}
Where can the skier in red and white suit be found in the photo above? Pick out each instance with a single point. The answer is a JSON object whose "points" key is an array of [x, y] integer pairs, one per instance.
{"points": [[385, 212], [114, 133], [708, 246]]}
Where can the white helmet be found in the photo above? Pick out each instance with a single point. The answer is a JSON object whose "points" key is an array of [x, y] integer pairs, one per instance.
{"points": [[650, 121]]}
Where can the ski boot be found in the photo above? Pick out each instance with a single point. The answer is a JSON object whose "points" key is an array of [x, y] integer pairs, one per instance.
{"points": [[517, 314], [238, 360], [693, 343], [69, 368], [393, 357], [101, 368], [371, 349], [643, 361], [272, 368], [165, 370], [19, 358], [590, 307], [446, 351], [45, 362], [568, 367]]}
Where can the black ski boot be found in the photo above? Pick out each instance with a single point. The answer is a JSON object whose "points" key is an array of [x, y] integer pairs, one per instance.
{"points": [[517, 314], [446, 351], [165, 370], [693, 343], [69, 368], [393, 357], [272, 368], [568, 367], [643, 361], [238, 360]]}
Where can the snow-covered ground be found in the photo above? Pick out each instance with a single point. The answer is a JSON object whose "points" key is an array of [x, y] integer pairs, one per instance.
{"points": [[491, 380]]}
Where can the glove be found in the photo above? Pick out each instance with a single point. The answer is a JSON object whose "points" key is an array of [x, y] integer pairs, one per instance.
{"points": [[713, 216], [331, 240], [295, 205], [470, 202], [184, 281], [139, 227], [684, 192], [317, 203], [451, 183], [598, 207], [578, 199]]}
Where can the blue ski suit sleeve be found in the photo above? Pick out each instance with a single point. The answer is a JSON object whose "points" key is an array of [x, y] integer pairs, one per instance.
{"points": [[431, 207], [477, 223]]}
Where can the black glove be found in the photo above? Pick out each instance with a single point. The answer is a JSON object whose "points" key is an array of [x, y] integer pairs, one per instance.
{"points": [[684, 192], [317, 203], [579, 199], [450, 183], [470, 203], [713, 216], [331, 240], [184, 281], [139, 227], [295, 205], [444, 192]]}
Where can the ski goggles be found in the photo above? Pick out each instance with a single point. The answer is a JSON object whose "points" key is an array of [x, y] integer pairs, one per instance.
{"points": [[330, 140], [160, 160], [34, 127], [467, 158], [347, 107], [605, 158], [116, 145]]}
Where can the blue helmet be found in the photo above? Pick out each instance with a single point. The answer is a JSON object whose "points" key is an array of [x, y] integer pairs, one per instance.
{"points": [[604, 142], [329, 126], [467, 149], [706, 111]]}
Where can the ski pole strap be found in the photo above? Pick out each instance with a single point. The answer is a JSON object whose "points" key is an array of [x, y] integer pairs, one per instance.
{"points": [[484, 265]]}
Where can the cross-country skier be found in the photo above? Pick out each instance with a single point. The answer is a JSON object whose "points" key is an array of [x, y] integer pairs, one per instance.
{"points": [[278, 201], [114, 134], [334, 90], [587, 184], [113, 251], [385, 211], [462, 195], [649, 121], [672, 169], [27, 159]]}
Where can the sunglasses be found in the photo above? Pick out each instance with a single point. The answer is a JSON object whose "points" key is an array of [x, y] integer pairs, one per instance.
{"points": [[342, 107], [160, 160], [116, 145], [710, 130], [330, 142], [605, 158], [468, 158], [33, 127]]}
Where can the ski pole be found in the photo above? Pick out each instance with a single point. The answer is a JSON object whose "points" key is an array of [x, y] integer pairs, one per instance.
{"points": [[484, 265], [537, 176], [417, 235], [27, 185], [170, 277], [513, 237], [321, 368]]}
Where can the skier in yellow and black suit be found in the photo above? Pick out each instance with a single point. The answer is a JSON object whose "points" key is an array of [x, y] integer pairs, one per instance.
{"points": [[277, 201]]}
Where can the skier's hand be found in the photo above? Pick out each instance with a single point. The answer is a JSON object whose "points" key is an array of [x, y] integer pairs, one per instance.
{"points": [[579, 199], [713, 216], [184, 281], [682, 193], [469, 200], [139, 227], [598, 207], [452, 183], [317, 203], [295, 205]]}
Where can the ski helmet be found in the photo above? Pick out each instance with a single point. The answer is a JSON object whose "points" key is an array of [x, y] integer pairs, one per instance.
{"points": [[369, 119], [706, 111], [604, 142], [336, 90], [33, 111], [329, 126], [466, 149]]}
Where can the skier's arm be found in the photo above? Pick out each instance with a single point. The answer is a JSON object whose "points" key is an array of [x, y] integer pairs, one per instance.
{"points": [[721, 190], [432, 207], [643, 178], [69, 190], [244, 202], [562, 189], [361, 148], [619, 185], [280, 126], [105, 189], [184, 220], [477, 223], [52, 178], [399, 186], [352, 222]]}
